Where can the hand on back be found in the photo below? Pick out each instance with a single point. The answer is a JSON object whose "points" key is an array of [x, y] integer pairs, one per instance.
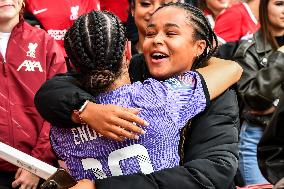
{"points": [[113, 122]]}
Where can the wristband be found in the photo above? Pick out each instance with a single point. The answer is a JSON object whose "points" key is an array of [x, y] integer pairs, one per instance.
{"points": [[77, 113]]}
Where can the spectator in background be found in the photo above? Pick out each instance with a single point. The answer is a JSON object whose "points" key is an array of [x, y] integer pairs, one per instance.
{"points": [[260, 86], [28, 57], [238, 22], [56, 16], [212, 8], [270, 154], [118, 7], [142, 11]]}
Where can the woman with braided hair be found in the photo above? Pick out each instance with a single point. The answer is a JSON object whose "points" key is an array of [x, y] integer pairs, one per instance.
{"points": [[215, 148], [97, 47]]}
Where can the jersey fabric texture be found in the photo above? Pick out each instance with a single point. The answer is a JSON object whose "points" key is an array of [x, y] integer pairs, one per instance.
{"points": [[236, 23], [32, 57], [57, 16], [167, 106]]}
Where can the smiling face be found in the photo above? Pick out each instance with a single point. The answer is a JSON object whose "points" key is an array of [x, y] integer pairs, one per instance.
{"points": [[142, 11], [10, 10], [169, 47], [275, 11]]}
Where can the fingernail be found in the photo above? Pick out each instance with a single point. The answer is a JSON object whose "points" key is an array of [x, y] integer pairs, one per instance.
{"points": [[136, 137], [143, 132], [146, 123]]}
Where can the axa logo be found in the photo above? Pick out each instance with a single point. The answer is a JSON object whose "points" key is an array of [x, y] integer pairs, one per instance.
{"points": [[74, 12], [32, 50], [30, 66]]}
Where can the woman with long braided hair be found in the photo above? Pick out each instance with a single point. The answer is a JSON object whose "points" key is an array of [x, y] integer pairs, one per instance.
{"points": [[58, 97], [97, 47]]}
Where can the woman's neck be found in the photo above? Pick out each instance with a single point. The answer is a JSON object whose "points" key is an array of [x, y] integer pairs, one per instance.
{"points": [[122, 80], [7, 26], [277, 33]]}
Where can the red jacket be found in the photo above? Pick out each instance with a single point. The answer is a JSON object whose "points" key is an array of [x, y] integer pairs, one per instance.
{"points": [[56, 16], [236, 23], [32, 57]]}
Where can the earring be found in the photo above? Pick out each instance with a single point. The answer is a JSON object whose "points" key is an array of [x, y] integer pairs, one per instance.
{"points": [[197, 56]]}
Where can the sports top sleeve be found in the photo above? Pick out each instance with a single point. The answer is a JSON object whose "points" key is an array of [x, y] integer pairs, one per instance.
{"points": [[182, 97]]}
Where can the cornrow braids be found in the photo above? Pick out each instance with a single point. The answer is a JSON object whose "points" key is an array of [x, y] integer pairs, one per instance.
{"points": [[95, 45], [202, 31]]}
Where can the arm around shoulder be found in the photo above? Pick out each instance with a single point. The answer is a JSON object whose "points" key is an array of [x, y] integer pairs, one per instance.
{"points": [[58, 97], [219, 75]]}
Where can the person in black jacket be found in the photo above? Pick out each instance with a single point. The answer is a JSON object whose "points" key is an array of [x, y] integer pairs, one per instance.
{"points": [[261, 84], [270, 151], [208, 149]]}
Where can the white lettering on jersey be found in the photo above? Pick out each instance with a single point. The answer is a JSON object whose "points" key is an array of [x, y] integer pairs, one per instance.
{"points": [[95, 166], [32, 50], [57, 34], [137, 150], [30, 66], [83, 134], [74, 12]]}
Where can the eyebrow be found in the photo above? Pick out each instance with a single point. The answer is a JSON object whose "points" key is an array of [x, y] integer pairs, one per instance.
{"points": [[167, 25]]}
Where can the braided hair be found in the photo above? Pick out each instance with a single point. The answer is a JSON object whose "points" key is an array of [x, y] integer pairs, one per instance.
{"points": [[95, 44], [201, 31]]}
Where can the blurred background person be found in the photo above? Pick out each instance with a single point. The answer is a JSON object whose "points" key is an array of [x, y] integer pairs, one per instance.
{"points": [[56, 16], [213, 8], [260, 86], [270, 154], [239, 22]]}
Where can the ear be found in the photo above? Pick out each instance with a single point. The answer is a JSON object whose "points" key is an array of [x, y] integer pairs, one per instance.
{"points": [[200, 47], [127, 51], [127, 54]]}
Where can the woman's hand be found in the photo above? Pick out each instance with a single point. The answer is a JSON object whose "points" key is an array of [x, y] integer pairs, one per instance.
{"points": [[113, 122], [25, 179], [84, 184]]}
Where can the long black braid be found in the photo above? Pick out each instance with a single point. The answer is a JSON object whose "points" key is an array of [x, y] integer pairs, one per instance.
{"points": [[202, 30], [95, 45]]}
